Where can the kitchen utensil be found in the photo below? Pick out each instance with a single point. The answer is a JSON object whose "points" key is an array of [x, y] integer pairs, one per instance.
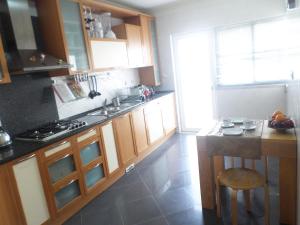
{"points": [[5, 139], [96, 87], [116, 101], [91, 87]]}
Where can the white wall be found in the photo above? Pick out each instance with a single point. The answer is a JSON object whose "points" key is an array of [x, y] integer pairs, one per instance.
{"points": [[251, 102], [195, 15]]}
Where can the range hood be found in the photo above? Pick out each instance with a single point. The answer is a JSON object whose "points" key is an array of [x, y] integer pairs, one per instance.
{"points": [[22, 54]]}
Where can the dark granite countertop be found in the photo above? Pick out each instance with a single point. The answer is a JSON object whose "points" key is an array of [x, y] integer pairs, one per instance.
{"points": [[23, 148]]}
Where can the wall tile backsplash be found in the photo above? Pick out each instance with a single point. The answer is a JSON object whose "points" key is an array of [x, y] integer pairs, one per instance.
{"points": [[110, 84]]}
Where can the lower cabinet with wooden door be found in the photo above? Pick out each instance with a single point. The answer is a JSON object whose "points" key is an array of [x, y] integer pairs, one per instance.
{"points": [[109, 145], [62, 177], [29, 191], [154, 122], [139, 130], [91, 159], [168, 111], [124, 137]]}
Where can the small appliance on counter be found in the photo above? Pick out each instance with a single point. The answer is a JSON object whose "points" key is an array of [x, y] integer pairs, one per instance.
{"points": [[5, 139], [51, 130]]}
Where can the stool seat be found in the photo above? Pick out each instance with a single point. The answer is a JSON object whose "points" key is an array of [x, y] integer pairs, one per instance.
{"points": [[241, 179]]}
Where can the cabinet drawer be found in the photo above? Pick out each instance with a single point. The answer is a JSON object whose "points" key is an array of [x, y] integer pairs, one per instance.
{"points": [[58, 148], [88, 134]]}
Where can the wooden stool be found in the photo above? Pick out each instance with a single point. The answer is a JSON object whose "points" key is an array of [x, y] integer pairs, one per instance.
{"points": [[243, 179]]}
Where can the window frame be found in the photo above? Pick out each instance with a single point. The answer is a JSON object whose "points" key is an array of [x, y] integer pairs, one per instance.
{"points": [[293, 15]]}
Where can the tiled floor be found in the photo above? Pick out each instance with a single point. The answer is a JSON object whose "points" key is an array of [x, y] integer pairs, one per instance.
{"points": [[163, 190]]}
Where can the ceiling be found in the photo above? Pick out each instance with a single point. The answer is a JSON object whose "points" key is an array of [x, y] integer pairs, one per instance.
{"points": [[143, 4]]}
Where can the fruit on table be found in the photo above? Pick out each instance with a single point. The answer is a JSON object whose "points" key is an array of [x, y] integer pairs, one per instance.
{"points": [[277, 112], [280, 117]]}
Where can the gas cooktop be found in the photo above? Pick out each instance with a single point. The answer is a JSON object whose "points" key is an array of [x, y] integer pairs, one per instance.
{"points": [[51, 130]]}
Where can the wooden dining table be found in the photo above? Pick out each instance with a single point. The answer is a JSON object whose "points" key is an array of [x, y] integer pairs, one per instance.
{"points": [[282, 145]]}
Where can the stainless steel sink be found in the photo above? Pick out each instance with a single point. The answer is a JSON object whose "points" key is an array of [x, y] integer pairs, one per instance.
{"points": [[111, 111]]}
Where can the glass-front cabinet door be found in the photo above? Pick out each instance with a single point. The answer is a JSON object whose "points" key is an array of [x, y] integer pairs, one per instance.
{"points": [[92, 163], [63, 175], [74, 34]]}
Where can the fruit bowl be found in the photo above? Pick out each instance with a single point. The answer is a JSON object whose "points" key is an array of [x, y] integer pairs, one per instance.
{"points": [[281, 126]]}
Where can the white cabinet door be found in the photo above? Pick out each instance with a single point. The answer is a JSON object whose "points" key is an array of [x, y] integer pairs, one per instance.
{"points": [[154, 122], [31, 191], [109, 54], [168, 111], [110, 147]]}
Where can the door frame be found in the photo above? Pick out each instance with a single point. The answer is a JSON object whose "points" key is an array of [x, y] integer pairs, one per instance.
{"points": [[178, 97]]}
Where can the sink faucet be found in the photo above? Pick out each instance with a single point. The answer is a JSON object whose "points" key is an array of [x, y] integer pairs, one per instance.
{"points": [[105, 104]]}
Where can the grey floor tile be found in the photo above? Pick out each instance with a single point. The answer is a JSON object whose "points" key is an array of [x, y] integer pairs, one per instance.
{"points": [[106, 216], [139, 211], [194, 216], [174, 201], [156, 221], [75, 220]]}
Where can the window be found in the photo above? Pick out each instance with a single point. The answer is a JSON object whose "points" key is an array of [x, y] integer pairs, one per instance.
{"points": [[258, 52]]}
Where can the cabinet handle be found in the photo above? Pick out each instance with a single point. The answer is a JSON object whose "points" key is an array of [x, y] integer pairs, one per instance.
{"points": [[65, 156], [60, 144], [72, 181], [90, 131], [98, 164], [26, 158]]}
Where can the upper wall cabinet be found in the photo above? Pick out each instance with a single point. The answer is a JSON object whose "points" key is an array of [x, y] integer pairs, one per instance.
{"points": [[63, 32], [134, 43], [108, 53], [4, 75]]}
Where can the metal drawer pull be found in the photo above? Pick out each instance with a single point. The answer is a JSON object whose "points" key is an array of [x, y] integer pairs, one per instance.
{"points": [[26, 158], [66, 156], [91, 131], [64, 142], [97, 165], [72, 181]]}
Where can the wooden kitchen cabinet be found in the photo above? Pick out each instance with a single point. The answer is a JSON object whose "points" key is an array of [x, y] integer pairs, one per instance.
{"points": [[124, 136], [168, 111], [4, 74], [108, 53], [154, 123], [30, 190], [139, 129], [60, 168], [109, 144], [91, 159], [133, 35]]}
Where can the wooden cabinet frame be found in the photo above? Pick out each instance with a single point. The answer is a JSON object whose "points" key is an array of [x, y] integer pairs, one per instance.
{"points": [[3, 65], [101, 160], [52, 188]]}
